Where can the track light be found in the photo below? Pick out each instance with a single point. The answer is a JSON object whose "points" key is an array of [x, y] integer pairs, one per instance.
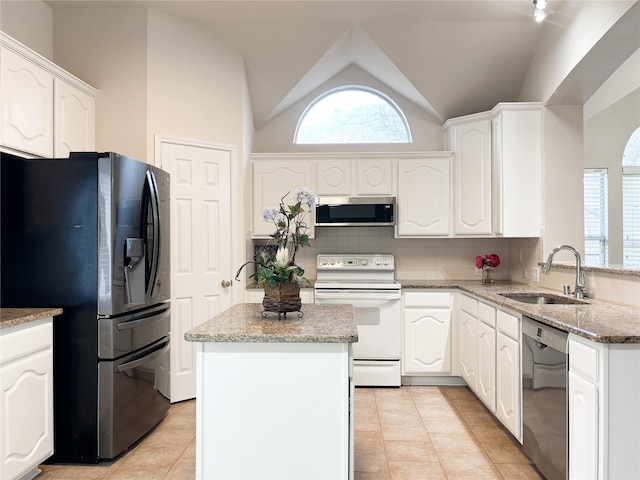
{"points": [[539, 10]]}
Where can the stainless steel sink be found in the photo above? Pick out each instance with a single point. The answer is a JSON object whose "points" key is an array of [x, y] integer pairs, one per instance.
{"points": [[543, 298]]}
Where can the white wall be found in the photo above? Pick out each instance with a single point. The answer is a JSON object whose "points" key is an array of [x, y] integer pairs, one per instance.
{"points": [[194, 86], [277, 134], [30, 22], [562, 184], [566, 40], [107, 48]]}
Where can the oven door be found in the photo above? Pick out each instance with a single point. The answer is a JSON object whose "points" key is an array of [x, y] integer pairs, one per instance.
{"points": [[378, 315]]}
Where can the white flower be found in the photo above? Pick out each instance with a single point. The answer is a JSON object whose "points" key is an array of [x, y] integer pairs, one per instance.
{"points": [[270, 213], [304, 195], [282, 257]]}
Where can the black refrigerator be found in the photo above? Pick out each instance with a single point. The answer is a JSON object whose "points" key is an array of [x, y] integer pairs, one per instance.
{"points": [[90, 234]]}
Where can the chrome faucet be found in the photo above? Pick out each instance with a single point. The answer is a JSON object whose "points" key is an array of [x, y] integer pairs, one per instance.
{"points": [[581, 281]]}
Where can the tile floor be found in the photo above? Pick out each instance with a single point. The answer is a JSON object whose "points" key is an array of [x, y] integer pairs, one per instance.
{"points": [[414, 432]]}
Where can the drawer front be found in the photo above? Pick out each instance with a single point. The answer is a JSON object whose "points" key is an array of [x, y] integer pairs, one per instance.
{"points": [[487, 314], [26, 339], [469, 305], [427, 299], [583, 360], [376, 374], [508, 324]]}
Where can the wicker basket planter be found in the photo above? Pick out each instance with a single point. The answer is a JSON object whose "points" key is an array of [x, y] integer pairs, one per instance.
{"points": [[281, 299]]}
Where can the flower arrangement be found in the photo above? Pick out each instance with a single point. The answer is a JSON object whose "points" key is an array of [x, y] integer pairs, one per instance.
{"points": [[487, 264], [290, 235]]}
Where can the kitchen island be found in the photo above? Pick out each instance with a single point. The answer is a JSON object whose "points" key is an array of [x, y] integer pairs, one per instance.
{"points": [[274, 397]]}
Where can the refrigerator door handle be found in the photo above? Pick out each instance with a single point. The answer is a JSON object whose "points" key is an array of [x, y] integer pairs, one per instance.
{"points": [[155, 253], [142, 360], [142, 321]]}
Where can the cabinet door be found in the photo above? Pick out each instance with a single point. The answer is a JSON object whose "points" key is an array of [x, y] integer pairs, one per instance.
{"points": [[472, 177], [272, 180], [74, 120], [334, 177], [427, 341], [583, 428], [508, 402], [423, 197], [26, 397], [374, 177], [26, 99], [517, 161], [468, 338], [486, 390]]}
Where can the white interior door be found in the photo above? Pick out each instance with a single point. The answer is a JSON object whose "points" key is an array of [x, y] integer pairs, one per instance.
{"points": [[200, 248]]}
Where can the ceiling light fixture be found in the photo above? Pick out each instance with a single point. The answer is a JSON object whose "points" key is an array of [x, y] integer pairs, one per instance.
{"points": [[539, 12]]}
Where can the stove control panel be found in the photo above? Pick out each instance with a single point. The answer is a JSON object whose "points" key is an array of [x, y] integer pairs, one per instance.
{"points": [[359, 262]]}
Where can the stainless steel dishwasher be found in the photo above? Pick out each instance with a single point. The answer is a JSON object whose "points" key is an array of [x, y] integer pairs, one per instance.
{"points": [[544, 398]]}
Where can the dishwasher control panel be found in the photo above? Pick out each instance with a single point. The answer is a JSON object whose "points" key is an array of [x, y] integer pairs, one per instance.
{"points": [[545, 334]]}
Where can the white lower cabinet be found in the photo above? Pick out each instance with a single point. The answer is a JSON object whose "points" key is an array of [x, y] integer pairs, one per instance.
{"points": [[427, 333], [489, 358], [26, 398], [508, 377], [604, 410], [486, 381], [468, 338], [583, 433]]}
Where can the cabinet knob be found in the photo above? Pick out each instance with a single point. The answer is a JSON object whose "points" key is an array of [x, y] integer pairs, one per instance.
{"points": [[225, 283]]}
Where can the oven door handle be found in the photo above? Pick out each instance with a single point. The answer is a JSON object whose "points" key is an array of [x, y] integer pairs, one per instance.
{"points": [[357, 295]]}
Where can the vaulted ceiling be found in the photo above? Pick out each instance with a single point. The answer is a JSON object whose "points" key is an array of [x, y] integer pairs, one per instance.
{"points": [[449, 57]]}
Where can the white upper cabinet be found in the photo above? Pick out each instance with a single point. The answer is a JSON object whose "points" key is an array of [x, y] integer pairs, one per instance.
{"points": [[45, 110], [26, 95], [374, 177], [424, 196], [334, 178], [75, 113], [470, 139], [354, 175], [273, 178], [517, 159]]}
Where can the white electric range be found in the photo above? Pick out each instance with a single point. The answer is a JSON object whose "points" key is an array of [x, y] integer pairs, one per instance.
{"points": [[367, 282]]}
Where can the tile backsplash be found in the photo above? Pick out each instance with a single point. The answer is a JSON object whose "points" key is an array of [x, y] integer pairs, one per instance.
{"points": [[416, 258], [454, 259]]}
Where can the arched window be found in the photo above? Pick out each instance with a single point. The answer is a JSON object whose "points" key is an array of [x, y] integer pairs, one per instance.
{"points": [[631, 201], [352, 115]]}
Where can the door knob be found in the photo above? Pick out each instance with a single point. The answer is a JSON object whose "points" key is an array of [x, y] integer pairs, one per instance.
{"points": [[225, 283]]}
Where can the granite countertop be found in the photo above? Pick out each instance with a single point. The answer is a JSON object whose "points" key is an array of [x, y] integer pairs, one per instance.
{"points": [[243, 323], [10, 317], [598, 321]]}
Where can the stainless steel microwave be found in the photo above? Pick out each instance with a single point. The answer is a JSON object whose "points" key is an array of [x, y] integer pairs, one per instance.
{"points": [[355, 211]]}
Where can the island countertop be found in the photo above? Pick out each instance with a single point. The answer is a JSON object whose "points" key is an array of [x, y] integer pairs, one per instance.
{"points": [[326, 323]]}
